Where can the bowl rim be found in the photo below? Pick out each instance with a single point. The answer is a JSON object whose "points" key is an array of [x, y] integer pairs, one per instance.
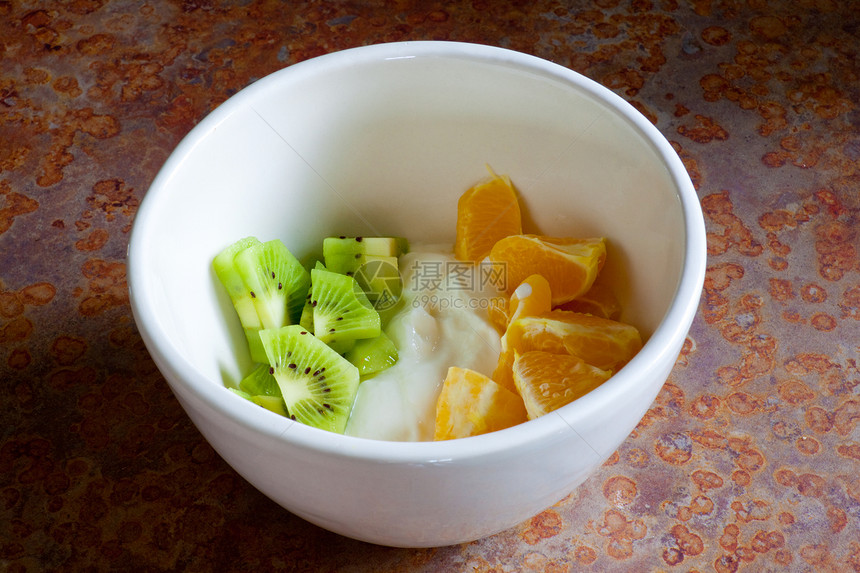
{"points": [[666, 337]]}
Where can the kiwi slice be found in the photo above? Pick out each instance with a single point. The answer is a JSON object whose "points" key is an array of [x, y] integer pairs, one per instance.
{"points": [[388, 311], [377, 275], [241, 393], [260, 382], [227, 273], [276, 280], [307, 317], [383, 246], [341, 310], [306, 320], [273, 403], [348, 264], [381, 281], [342, 345], [372, 355], [318, 384]]}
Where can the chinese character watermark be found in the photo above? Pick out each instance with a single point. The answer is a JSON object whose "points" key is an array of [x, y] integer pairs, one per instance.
{"points": [[458, 275]]}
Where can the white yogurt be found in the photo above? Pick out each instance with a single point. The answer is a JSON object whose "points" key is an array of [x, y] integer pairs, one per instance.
{"points": [[443, 323]]}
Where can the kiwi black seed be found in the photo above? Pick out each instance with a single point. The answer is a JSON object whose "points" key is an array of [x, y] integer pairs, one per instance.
{"points": [[317, 383]]}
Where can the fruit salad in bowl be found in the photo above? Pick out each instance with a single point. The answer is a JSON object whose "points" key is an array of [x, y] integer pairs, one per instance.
{"points": [[327, 340], [383, 339]]}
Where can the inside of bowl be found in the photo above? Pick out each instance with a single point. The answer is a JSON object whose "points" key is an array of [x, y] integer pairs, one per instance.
{"points": [[364, 146]]}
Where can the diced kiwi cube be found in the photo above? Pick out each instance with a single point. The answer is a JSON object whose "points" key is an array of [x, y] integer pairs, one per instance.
{"points": [[348, 264], [372, 355], [382, 246]]}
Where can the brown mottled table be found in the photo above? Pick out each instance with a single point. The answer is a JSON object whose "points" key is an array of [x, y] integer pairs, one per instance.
{"points": [[749, 459]]}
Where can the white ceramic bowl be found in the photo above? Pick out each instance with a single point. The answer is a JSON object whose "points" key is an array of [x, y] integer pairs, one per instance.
{"points": [[383, 140]]}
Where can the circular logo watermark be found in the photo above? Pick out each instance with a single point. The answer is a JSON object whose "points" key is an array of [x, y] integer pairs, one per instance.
{"points": [[381, 282]]}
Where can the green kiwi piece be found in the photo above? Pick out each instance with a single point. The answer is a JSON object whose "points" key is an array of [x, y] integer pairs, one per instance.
{"points": [[307, 317], [306, 320], [227, 273], [260, 381], [341, 310], [276, 280], [273, 403], [377, 275], [383, 246], [372, 355], [373, 261], [342, 345], [318, 384], [241, 393], [381, 281], [348, 264], [388, 311]]}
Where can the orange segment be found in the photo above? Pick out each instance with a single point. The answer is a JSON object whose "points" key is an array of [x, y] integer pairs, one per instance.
{"points": [[532, 297], [487, 212], [603, 343], [599, 301], [471, 404], [497, 313], [502, 374], [548, 381], [569, 265]]}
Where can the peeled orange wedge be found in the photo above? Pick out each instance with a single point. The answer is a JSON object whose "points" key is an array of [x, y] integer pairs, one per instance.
{"points": [[530, 298], [569, 265], [548, 381], [497, 313], [600, 301], [560, 334], [533, 296], [487, 212], [601, 342], [471, 404]]}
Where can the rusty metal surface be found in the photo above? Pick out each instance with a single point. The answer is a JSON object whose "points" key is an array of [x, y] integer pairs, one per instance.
{"points": [[749, 459]]}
